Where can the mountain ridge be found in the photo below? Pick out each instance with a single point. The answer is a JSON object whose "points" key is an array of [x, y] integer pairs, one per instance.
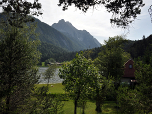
{"points": [[50, 35], [82, 36]]}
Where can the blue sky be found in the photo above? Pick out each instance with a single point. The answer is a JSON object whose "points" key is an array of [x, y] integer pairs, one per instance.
{"points": [[97, 21]]}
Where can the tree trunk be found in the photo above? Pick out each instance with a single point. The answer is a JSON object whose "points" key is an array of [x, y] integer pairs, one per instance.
{"points": [[7, 104], [98, 107], [76, 102], [8, 99], [83, 112], [83, 106], [75, 106]]}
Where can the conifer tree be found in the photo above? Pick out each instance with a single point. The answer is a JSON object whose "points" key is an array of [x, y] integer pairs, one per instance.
{"points": [[18, 53], [18, 60]]}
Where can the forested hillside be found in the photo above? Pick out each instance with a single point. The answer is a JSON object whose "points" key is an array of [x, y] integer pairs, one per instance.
{"points": [[57, 45], [50, 51], [54, 37], [141, 47], [58, 54]]}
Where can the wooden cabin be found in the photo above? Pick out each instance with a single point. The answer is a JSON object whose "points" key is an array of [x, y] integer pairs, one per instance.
{"points": [[129, 76]]}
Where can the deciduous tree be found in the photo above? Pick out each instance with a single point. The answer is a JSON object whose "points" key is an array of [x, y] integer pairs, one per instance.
{"points": [[111, 59], [80, 78], [138, 100], [50, 72]]}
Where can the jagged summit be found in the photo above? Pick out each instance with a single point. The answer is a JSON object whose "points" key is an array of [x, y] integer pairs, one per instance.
{"points": [[81, 36], [61, 21]]}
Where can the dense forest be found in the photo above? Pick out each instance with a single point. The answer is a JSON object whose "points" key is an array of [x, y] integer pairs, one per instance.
{"points": [[136, 49]]}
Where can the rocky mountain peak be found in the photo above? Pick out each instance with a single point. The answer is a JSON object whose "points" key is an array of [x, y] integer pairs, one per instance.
{"points": [[82, 36], [61, 21]]}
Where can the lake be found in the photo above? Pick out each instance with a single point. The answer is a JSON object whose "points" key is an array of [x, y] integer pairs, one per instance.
{"points": [[55, 79]]}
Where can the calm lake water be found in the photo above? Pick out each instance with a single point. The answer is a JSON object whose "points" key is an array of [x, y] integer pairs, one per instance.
{"points": [[55, 79]]}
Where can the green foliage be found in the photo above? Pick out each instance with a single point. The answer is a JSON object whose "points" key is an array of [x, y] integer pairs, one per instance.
{"points": [[80, 78], [110, 63], [18, 54], [138, 100], [115, 42], [49, 73], [59, 54], [18, 11], [43, 63], [144, 95], [53, 38], [51, 60], [75, 73], [110, 92], [92, 53], [111, 59], [18, 58], [141, 48], [42, 102], [126, 99]]}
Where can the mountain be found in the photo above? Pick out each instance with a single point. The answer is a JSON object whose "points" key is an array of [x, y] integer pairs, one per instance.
{"points": [[50, 51], [54, 43], [50, 35], [81, 37]]}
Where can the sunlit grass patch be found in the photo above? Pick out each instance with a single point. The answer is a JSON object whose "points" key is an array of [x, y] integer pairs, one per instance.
{"points": [[53, 88], [43, 63], [107, 108]]}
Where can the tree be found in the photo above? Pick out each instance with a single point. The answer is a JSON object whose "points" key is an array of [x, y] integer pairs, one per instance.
{"points": [[124, 11], [100, 93], [138, 100], [19, 11], [111, 59], [43, 102], [49, 73], [143, 95], [80, 78], [126, 100], [18, 58], [51, 60], [18, 53]]}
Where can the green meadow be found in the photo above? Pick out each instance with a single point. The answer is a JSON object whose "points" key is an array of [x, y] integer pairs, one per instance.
{"points": [[53, 88], [107, 108]]}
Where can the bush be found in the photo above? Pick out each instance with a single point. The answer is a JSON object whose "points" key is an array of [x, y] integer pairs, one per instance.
{"points": [[124, 98]]}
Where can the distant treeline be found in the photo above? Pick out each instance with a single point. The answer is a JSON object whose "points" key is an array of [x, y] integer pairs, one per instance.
{"points": [[139, 48]]}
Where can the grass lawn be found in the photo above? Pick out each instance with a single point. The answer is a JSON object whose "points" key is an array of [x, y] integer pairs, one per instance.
{"points": [[53, 88], [107, 108]]}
